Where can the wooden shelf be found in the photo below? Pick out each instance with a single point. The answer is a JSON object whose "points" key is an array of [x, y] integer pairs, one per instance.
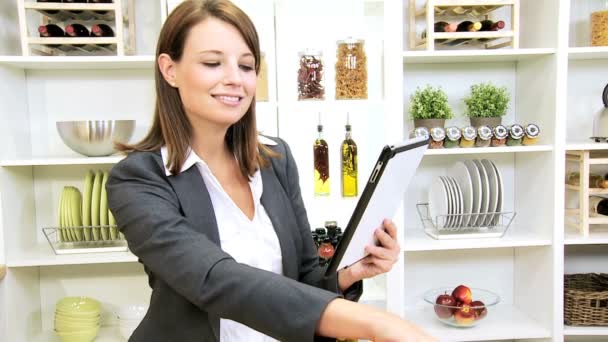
{"points": [[597, 236], [78, 62], [62, 161], [503, 322], [585, 331], [588, 53], [488, 150], [592, 191], [474, 56], [42, 255], [585, 145]]}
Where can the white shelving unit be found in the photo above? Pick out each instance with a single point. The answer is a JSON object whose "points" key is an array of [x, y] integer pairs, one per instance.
{"points": [[555, 81]]}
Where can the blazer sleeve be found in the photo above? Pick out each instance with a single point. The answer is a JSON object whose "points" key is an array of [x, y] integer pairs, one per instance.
{"points": [[148, 214], [310, 270]]}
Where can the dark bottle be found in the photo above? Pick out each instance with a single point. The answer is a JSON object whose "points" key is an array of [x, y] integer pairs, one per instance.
{"points": [[468, 26], [50, 30], [442, 26], [76, 30], [102, 30], [326, 249], [331, 227], [489, 25], [321, 164], [598, 206]]}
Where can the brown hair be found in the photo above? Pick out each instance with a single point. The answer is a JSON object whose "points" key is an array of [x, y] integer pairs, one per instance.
{"points": [[170, 125]]}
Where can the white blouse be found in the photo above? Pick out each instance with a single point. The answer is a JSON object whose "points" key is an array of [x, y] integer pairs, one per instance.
{"points": [[252, 242]]}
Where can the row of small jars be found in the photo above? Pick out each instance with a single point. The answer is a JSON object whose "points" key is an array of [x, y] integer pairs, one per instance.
{"points": [[350, 67], [482, 136]]}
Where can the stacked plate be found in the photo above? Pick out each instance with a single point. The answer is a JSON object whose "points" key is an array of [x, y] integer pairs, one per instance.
{"points": [[471, 196], [87, 209], [129, 318], [77, 319]]}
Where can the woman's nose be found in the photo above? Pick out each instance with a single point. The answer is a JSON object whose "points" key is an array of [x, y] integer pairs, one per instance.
{"points": [[232, 74]]}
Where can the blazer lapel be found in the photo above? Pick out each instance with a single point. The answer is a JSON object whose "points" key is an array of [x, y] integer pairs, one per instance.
{"points": [[275, 203]]}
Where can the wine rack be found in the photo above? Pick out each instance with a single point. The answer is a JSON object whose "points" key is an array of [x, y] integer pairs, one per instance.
{"points": [[579, 218], [83, 13], [462, 10]]}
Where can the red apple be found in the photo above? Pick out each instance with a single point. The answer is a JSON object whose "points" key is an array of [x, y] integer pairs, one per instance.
{"points": [[480, 309], [442, 310], [464, 315], [462, 294]]}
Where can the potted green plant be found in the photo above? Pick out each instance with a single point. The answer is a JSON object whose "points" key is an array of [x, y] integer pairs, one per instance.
{"points": [[429, 107], [486, 104]]}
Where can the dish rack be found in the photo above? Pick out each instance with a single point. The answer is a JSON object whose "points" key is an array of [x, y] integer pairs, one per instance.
{"points": [[442, 227], [82, 13], [94, 240], [459, 10]]}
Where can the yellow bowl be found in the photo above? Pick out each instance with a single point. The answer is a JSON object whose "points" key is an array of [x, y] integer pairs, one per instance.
{"points": [[78, 336], [71, 326], [76, 319], [78, 304]]}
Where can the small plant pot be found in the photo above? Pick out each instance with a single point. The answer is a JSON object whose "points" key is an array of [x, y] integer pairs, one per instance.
{"points": [[491, 122], [429, 123]]}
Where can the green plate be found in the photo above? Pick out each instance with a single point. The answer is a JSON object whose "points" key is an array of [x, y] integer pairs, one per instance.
{"points": [[113, 228], [62, 235], [103, 208], [68, 214], [86, 204], [95, 197], [76, 209]]}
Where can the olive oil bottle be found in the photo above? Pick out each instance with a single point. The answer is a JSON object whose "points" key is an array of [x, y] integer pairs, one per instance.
{"points": [[349, 164], [321, 163]]}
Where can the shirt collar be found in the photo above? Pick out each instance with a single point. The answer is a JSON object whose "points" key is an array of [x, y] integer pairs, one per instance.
{"points": [[193, 158]]}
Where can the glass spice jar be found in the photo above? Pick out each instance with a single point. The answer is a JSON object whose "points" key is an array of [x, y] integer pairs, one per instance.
{"points": [[484, 135], [531, 135], [261, 90], [351, 70], [310, 75], [326, 249], [437, 137], [500, 136], [452, 137], [420, 132], [468, 136], [516, 132]]}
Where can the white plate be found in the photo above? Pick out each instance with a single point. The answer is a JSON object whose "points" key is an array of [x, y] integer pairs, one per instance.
{"points": [[438, 200], [477, 189], [448, 220], [493, 193], [501, 194], [462, 177], [459, 202], [485, 193]]}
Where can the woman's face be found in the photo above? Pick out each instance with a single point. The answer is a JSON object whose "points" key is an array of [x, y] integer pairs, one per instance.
{"points": [[216, 76]]}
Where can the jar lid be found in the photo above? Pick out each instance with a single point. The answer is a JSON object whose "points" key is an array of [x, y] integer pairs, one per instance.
{"points": [[331, 224], [516, 131], [438, 133], [453, 133], [421, 132], [484, 132], [501, 132], [310, 52], [350, 40], [469, 133], [532, 131]]}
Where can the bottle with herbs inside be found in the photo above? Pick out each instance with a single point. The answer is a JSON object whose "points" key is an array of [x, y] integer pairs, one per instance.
{"points": [[349, 164], [310, 75], [321, 163], [351, 70]]}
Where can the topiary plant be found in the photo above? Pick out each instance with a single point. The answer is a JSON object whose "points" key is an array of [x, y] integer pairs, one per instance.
{"points": [[487, 101], [430, 103]]}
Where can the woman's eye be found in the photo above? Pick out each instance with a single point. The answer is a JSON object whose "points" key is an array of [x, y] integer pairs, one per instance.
{"points": [[247, 67], [211, 64]]}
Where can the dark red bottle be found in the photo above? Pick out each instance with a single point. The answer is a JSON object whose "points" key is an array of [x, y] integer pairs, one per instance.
{"points": [[76, 30], [50, 30], [101, 30]]}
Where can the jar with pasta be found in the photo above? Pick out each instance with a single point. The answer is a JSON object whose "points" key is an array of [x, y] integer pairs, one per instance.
{"points": [[351, 70], [310, 75], [599, 26]]}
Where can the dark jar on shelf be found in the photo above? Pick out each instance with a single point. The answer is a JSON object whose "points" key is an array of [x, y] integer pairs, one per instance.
{"points": [[326, 249], [437, 137], [500, 136], [484, 135], [516, 132]]}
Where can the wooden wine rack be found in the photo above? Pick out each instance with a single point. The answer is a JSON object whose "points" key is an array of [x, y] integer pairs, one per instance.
{"points": [[579, 218], [56, 13], [463, 10]]}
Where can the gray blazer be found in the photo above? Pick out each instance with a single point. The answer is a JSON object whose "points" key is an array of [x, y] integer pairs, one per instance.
{"points": [[169, 224]]}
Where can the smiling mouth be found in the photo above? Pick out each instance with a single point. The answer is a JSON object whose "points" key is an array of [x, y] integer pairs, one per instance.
{"points": [[228, 100]]}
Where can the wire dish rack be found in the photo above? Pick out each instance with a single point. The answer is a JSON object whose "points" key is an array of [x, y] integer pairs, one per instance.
{"points": [[86, 239], [464, 226]]}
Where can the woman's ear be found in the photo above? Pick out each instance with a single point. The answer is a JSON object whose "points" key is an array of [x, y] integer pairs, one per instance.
{"points": [[167, 68]]}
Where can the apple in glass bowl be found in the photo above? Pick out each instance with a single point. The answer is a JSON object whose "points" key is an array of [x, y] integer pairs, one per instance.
{"points": [[461, 306]]}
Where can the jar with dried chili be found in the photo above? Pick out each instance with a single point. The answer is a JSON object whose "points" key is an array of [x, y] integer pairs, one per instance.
{"points": [[310, 75]]}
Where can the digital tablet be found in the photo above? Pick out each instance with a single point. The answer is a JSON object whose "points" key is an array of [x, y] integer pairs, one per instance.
{"points": [[380, 199]]}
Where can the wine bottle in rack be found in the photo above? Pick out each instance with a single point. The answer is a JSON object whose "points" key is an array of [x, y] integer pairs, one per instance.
{"points": [[101, 30], [50, 30], [76, 30], [468, 26], [489, 25], [443, 26]]}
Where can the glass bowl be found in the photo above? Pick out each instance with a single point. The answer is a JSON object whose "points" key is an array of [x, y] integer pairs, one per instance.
{"points": [[459, 314]]}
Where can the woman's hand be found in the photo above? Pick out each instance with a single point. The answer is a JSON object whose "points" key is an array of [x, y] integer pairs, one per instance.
{"points": [[394, 329], [380, 259]]}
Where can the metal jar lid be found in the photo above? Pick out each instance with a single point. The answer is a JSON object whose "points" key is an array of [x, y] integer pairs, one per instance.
{"points": [[501, 132], [453, 133], [484, 132], [532, 131], [516, 131], [350, 40], [421, 132], [438, 133], [311, 52], [469, 133]]}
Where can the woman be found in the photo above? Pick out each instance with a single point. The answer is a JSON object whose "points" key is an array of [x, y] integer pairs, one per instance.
{"points": [[217, 218]]}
